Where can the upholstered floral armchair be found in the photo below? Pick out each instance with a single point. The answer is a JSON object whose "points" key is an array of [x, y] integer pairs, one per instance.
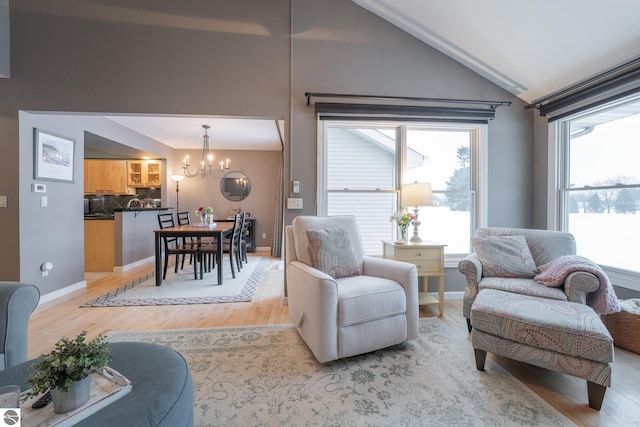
{"points": [[342, 302], [508, 259]]}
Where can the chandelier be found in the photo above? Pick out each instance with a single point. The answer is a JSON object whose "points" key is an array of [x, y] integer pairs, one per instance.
{"points": [[207, 161]]}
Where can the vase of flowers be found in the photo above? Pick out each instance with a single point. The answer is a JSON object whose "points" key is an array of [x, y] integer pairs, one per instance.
{"points": [[403, 219], [205, 214]]}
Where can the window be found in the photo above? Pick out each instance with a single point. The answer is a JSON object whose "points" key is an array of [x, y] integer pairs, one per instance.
{"points": [[599, 182], [363, 165]]}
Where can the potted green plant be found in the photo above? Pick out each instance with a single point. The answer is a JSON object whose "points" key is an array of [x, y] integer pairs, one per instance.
{"points": [[66, 371]]}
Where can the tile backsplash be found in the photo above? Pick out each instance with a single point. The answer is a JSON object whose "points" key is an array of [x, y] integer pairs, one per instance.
{"points": [[106, 204]]}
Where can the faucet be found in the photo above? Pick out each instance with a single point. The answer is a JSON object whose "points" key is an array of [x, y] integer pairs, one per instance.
{"points": [[140, 204]]}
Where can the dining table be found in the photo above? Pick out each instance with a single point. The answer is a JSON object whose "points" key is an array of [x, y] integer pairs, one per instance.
{"points": [[218, 231]]}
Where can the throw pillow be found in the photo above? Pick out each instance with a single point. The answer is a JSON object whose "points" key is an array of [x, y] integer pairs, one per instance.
{"points": [[505, 256], [332, 253]]}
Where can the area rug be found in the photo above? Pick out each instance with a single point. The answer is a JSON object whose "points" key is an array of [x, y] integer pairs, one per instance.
{"points": [[266, 376], [182, 288]]}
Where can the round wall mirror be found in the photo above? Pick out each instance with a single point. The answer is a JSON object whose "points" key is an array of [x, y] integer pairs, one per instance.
{"points": [[235, 186]]}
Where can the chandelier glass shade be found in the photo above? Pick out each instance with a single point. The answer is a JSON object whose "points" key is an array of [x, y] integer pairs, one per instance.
{"points": [[206, 167]]}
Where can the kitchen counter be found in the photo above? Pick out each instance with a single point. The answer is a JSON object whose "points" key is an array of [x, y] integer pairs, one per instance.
{"points": [[99, 216], [121, 240], [140, 209], [134, 241]]}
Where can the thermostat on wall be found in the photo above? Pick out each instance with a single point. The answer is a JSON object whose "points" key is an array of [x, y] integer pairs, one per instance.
{"points": [[39, 188]]}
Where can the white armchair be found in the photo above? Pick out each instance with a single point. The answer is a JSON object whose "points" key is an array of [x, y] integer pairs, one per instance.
{"points": [[373, 306]]}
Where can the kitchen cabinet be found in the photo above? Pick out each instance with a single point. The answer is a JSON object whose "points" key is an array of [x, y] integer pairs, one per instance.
{"points": [[144, 173], [99, 244], [105, 176]]}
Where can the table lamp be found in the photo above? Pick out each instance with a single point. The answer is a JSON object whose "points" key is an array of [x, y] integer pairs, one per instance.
{"points": [[416, 194]]}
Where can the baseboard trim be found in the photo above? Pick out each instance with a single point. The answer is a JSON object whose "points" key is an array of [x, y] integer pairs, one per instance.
{"points": [[62, 292], [118, 269]]}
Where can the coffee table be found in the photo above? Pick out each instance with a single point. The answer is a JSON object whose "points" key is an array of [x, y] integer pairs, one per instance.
{"points": [[162, 393]]}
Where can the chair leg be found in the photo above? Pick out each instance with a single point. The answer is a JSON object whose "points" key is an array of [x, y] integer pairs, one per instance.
{"points": [[481, 357], [166, 263], [238, 260], [195, 267], [177, 262], [233, 271], [596, 395]]}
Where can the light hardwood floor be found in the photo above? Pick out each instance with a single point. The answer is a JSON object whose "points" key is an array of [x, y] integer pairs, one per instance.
{"points": [[64, 317]]}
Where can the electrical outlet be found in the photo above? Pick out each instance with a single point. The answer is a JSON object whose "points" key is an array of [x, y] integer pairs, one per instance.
{"points": [[264, 235]]}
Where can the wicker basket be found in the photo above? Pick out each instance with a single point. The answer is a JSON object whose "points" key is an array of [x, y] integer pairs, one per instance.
{"points": [[624, 327]]}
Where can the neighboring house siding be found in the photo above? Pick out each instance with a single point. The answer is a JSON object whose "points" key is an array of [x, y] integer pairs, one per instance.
{"points": [[349, 152], [359, 163]]}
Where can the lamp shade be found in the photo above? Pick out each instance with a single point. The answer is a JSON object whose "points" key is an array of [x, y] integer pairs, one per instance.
{"points": [[416, 194], [177, 178]]}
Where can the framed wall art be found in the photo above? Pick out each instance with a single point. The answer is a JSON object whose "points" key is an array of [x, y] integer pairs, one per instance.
{"points": [[53, 156]]}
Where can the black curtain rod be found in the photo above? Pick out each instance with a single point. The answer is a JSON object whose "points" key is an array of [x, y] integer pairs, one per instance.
{"points": [[588, 84], [492, 104]]}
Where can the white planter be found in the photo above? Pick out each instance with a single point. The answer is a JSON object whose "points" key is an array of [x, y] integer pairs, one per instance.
{"points": [[77, 395]]}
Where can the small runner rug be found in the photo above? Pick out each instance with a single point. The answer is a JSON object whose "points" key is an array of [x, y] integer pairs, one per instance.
{"points": [[266, 376], [182, 288]]}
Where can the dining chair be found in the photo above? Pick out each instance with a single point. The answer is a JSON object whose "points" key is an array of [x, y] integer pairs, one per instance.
{"points": [[243, 237], [230, 246], [175, 246], [233, 246], [184, 218]]}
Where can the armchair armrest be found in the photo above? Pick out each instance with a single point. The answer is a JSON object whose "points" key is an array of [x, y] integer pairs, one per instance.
{"points": [[406, 275], [471, 267], [313, 301], [401, 272], [578, 285]]}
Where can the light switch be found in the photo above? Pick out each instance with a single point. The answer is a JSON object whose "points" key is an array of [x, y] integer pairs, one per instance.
{"points": [[294, 203], [43, 201], [3, 201]]}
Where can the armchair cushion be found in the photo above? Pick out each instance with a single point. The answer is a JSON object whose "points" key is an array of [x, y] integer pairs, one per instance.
{"points": [[505, 256], [332, 252]]}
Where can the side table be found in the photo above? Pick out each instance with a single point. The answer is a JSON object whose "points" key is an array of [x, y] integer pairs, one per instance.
{"points": [[428, 258]]}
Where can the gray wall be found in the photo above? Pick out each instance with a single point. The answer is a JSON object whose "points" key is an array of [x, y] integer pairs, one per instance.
{"points": [[340, 48], [212, 58], [242, 58], [56, 233], [337, 47]]}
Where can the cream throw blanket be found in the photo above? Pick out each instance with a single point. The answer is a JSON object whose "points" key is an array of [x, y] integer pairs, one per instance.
{"points": [[553, 274]]}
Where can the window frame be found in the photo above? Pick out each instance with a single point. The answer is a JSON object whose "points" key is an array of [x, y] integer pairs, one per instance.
{"points": [[479, 161], [558, 189]]}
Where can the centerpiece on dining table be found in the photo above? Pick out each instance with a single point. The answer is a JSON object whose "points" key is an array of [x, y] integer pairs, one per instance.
{"points": [[205, 215]]}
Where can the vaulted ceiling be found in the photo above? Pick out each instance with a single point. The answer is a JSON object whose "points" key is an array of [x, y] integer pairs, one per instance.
{"points": [[529, 48]]}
